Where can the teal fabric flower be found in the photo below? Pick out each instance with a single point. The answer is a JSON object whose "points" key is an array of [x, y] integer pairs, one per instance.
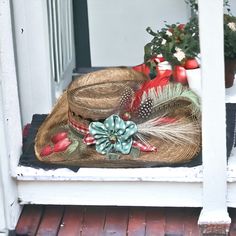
{"points": [[114, 135]]}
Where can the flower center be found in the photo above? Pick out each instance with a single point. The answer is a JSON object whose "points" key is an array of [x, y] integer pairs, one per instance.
{"points": [[112, 139]]}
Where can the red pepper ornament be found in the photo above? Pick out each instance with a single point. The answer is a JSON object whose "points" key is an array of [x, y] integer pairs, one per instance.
{"points": [[62, 145], [46, 151], [58, 137], [191, 64], [179, 75]]}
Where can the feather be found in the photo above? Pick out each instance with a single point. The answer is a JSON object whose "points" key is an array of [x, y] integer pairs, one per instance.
{"points": [[145, 108], [178, 131], [126, 98], [171, 95], [162, 79]]}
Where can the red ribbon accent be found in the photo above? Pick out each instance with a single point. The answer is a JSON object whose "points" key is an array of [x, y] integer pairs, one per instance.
{"points": [[79, 127], [144, 148], [89, 139], [162, 79]]}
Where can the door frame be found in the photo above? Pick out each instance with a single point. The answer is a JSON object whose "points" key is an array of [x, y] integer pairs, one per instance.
{"points": [[10, 124]]}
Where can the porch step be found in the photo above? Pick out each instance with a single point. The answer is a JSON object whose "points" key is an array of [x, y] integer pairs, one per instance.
{"points": [[113, 221]]}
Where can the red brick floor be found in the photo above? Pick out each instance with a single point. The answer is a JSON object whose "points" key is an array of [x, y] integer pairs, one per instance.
{"points": [[111, 221]]}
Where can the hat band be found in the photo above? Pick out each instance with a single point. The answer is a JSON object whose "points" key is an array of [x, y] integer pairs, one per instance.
{"points": [[80, 128], [88, 138]]}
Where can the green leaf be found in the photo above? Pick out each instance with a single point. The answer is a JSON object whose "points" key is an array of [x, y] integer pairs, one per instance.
{"points": [[73, 146], [148, 49], [113, 156], [135, 152], [149, 30]]}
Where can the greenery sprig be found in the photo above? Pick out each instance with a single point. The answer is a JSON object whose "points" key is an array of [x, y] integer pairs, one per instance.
{"points": [[175, 42], [229, 28], [194, 5]]}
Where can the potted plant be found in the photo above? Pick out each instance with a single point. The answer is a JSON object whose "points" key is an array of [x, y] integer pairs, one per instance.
{"points": [[178, 44], [229, 49], [229, 41]]}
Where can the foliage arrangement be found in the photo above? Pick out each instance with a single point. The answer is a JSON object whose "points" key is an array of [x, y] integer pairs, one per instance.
{"points": [[230, 36], [176, 43], [229, 28]]}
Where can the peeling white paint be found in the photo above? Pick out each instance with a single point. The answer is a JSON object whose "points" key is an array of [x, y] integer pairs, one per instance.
{"points": [[162, 174]]}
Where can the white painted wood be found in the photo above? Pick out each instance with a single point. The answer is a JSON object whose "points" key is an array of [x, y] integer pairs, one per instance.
{"points": [[10, 123], [161, 174], [231, 178], [213, 113], [117, 29], [33, 59], [3, 224], [230, 93], [231, 169], [41, 50], [131, 187], [233, 7], [119, 193], [95, 186]]}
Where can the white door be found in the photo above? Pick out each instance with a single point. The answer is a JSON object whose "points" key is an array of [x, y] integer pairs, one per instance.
{"points": [[44, 52]]}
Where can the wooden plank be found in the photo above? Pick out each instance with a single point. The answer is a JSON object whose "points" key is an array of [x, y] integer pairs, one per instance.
{"points": [[72, 221], [116, 221], [174, 222], [137, 221], [155, 222], [94, 219], [190, 221], [29, 220], [232, 213], [51, 221]]}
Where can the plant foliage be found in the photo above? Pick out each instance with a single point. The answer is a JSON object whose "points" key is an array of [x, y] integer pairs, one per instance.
{"points": [[175, 42]]}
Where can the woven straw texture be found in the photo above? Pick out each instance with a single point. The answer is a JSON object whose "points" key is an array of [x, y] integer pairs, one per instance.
{"points": [[95, 96]]}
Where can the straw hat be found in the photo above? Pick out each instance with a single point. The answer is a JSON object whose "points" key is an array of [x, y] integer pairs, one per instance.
{"points": [[114, 118]]}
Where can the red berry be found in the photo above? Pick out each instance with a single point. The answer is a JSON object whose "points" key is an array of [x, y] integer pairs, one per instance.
{"points": [[126, 116], [191, 64], [47, 150], [62, 145], [58, 137], [181, 26]]}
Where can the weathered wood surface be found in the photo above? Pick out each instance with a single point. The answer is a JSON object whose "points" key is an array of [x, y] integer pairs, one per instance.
{"points": [[105, 221]]}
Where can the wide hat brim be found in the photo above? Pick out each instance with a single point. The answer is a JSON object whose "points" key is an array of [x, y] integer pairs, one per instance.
{"points": [[168, 152]]}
